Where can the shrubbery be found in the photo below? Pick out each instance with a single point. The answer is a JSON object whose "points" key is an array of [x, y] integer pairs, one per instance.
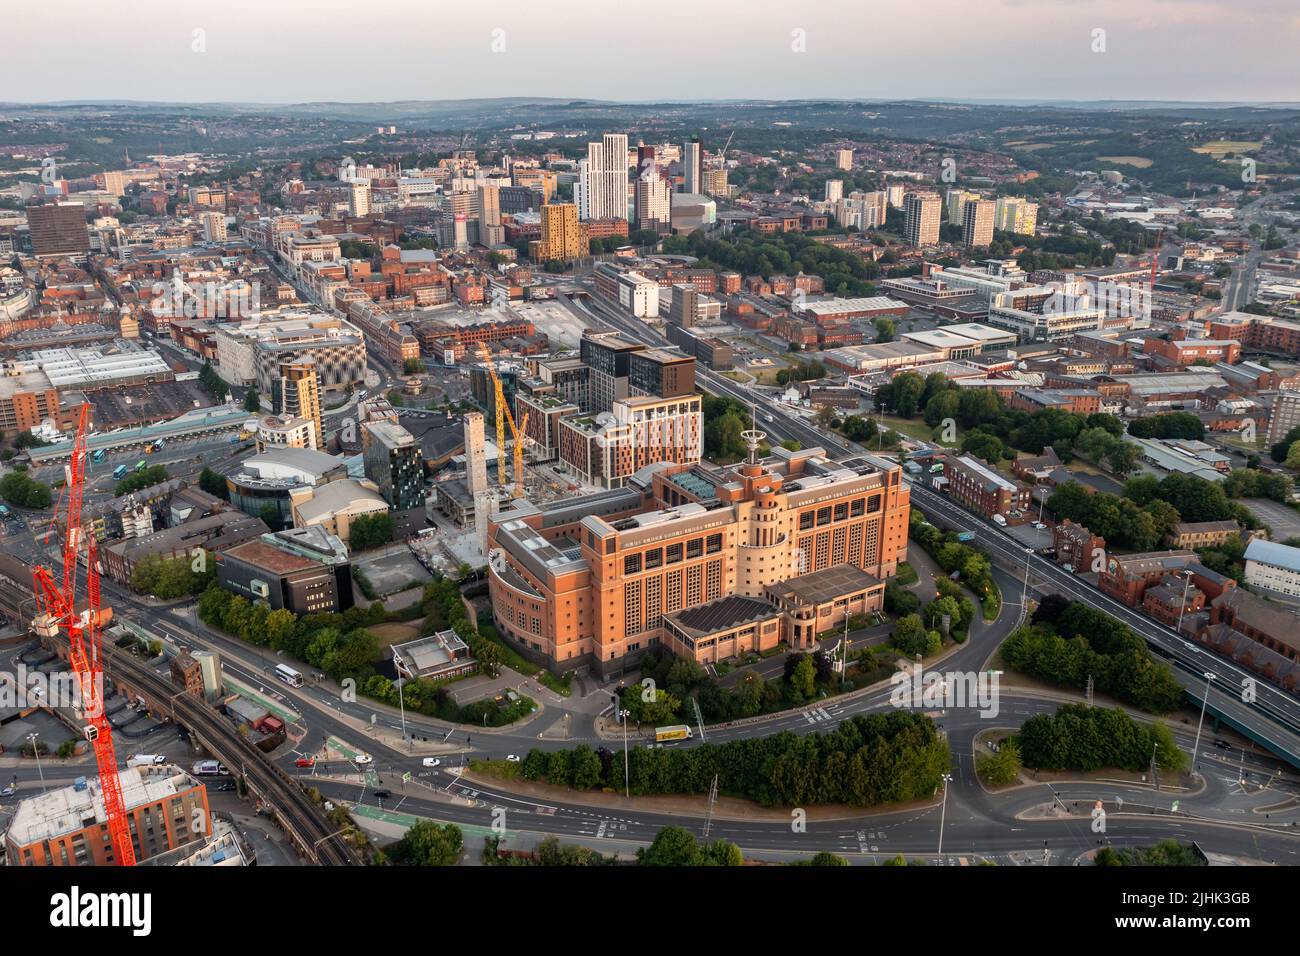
{"points": [[869, 759], [1066, 647], [1084, 738]]}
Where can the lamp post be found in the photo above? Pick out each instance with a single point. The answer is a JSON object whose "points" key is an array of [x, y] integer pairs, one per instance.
{"points": [[1187, 583], [627, 785], [1196, 747], [1024, 591], [37, 754], [943, 812]]}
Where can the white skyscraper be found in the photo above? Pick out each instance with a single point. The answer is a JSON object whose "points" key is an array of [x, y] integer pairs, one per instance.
{"points": [[834, 190], [693, 166], [601, 191]]}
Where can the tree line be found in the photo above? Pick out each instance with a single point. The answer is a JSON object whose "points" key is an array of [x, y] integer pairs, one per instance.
{"points": [[1085, 739], [1068, 642], [869, 759]]}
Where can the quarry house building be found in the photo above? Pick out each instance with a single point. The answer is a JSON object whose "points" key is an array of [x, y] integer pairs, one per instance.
{"points": [[712, 562]]}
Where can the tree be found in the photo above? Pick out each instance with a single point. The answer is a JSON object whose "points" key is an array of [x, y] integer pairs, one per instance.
{"points": [[803, 682], [910, 635], [252, 401], [214, 484], [672, 846], [19, 489], [370, 531], [827, 858], [884, 330], [428, 843], [1001, 768]]}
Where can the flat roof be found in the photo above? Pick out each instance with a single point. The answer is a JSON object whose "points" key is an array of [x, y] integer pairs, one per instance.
{"points": [[270, 558]]}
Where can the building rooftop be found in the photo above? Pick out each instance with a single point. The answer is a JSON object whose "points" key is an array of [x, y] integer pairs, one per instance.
{"points": [[431, 653], [346, 494], [269, 558], [819, 587], [722, 614], [1270, 552], [72, 808]]}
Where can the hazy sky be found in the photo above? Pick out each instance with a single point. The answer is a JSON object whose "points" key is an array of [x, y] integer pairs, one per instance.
{"points": [[294, 51]]}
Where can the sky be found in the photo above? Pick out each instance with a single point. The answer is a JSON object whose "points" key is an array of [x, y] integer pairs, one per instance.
{"points": [[288, 51]]}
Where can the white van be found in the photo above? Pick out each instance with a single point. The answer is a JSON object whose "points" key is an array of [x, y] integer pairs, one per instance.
{"points": [[145, 760]]}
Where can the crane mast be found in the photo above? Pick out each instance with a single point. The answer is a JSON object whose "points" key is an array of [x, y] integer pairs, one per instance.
{"points": [[57, 601]]}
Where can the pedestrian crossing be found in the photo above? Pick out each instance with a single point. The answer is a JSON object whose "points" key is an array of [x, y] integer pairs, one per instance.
{"points": [[816, 715]]}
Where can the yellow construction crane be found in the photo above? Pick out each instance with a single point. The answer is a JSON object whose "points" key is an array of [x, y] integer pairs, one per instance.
{"points": [[504, 417]]}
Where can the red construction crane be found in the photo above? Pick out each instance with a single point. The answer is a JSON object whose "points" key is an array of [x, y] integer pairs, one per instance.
{"points": [[1155, 257], [58, 605]]}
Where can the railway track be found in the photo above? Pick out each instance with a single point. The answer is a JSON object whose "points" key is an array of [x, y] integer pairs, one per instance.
{"points": [[301, 816]]}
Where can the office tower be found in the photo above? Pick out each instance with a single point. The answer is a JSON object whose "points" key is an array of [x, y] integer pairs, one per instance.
{"points": [[560, 236], [214, 226], [297, 394], [921, 218], [1017, 215], [58, 229], [359, 200], [844, 159], [693, 165], [978, 218], [609, 359], [653, 197], [602, 179], [956, 201], [490, 231]]}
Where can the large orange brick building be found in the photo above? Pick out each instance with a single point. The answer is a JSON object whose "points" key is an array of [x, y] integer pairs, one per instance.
{"points": [[779, 549]]}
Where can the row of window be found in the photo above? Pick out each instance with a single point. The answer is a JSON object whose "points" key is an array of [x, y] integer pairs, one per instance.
{"points": [[673, 554], [839, 512]]}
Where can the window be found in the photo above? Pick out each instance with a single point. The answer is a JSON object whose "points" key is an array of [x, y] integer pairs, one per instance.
{"points": [[674, 553], [841, 511], [695, 547], [805, 521], [632, 564], [654, 559], [823, 516], [858, 507], [714, 544]]}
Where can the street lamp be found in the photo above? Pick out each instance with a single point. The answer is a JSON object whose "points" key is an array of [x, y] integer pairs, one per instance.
{"points": [[627, 784], [37, 754], [1196, 747], [1187, 583], [1024, 592], [943, 811]]}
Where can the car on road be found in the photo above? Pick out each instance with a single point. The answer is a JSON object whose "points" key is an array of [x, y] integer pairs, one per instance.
{"points": [[363, 758], [383, 795], [8, 791], [305, 762], [225, 787], [432, 762], [513, 758], [1223, 745]]}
